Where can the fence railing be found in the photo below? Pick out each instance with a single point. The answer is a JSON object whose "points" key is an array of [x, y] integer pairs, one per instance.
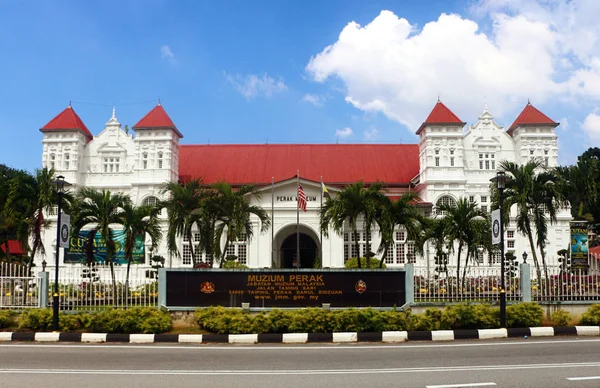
{"points": [[88, 289], [12, 269], [18, 292], [561, 285], [481, 284]]}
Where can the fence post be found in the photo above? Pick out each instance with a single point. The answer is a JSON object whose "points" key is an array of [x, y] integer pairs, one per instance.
{"points": [[525, 280], [409, 270], [162, 288], [43, 289]]}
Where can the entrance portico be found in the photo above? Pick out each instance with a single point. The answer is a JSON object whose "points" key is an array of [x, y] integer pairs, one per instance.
{"points": [[285, 247]]}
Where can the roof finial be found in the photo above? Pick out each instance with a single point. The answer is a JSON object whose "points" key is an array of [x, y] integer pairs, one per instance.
{"points": [[70, 104], [528, 102], [158, 100], [438, 98], [485, 108], [114, 111]]}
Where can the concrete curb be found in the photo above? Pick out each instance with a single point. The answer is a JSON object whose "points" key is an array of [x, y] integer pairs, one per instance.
{"points": [[302, 338]]}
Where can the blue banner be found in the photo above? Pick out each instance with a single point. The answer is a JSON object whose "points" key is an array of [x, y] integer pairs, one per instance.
{"points": [[76, 253]]}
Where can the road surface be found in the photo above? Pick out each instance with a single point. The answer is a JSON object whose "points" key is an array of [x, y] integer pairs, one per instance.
{"points": [[519, 363]]}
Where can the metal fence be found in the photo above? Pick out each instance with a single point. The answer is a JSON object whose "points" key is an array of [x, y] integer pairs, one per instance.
{"points": [[481, 284], [85, 288], [565, 286], [17, 289]]}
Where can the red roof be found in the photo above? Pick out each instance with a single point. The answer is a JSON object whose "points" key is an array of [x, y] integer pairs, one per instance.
{"points": [[157, 118], [67, 120], [14, 248], [531, 116], [336, 163], [441, 115]]}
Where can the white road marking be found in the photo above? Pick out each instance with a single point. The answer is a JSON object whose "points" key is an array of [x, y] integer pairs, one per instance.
{"points": [[243, 372], [461, 385], [583, 378], [205, 347]]}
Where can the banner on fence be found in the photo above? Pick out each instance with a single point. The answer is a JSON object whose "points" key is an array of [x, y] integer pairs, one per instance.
{"points": [[496, 226], [76, 252], [579, 244], [65, 230]]}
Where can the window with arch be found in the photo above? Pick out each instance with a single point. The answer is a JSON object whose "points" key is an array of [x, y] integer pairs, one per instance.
{"points": [[160, 160], [150, 201], [444, 200]]}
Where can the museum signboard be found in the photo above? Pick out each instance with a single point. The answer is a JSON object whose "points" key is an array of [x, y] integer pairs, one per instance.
{"points": [[285, 288]]}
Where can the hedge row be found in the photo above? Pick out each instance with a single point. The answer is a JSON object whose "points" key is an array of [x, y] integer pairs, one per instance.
{"points": [[314, 320], [134, 320]]}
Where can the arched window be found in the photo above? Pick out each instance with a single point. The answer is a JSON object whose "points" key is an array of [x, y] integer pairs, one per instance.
{"points": [[444, 200], [150, 201]]}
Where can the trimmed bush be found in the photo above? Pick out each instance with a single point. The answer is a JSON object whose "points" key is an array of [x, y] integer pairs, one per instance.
{"points": [[560, 318], [136, 320], [6, 319], [527, 314], [41, 320], [469, 316], [592, 316], [353, 263], [232, 264]]}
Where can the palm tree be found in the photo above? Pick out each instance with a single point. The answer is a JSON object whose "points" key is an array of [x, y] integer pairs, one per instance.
{"points": [[100, 211], [350, 204], [29, 197], [536, 199], [139, 221], [233, 211], [460, 221], [186, 208], [579, 184], [392, 214]]}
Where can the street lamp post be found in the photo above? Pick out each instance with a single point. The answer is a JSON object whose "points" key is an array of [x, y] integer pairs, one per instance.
{"points": [[60, 186], [500, 180]]}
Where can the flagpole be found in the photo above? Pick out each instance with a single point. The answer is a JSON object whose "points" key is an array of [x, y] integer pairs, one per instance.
{"points": [[298, 219], [320, 229], [272, 221]]}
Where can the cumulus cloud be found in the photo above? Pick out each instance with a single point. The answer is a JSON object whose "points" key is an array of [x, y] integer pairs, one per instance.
{"points": [[371, 134], [346, 132], [591, 126], [251, 86], [393, 67], [314, 99]]}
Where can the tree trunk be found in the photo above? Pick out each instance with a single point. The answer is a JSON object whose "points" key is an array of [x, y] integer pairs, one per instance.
{"points": [[580, 210], [465, 268], [544, 266], [127, 279], [192, 253], [356, 245], [114, 282], [368, 246], [460, 244], [224, 254], [534, 254], [385, 251]]}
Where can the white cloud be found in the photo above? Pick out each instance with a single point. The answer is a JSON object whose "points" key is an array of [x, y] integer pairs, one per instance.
{"points": [[251, 86], [371, 134], [591, 126], [346, 132], [314, 99], [564, 123], [533, 51], [166, 53]]}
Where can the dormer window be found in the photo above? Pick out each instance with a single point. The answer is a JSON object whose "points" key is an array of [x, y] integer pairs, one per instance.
{"points": [[160, 160], [145, 160], [67, 159]]}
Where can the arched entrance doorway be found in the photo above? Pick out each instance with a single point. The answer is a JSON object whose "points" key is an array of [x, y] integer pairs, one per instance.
{"points": [[308, 252]]}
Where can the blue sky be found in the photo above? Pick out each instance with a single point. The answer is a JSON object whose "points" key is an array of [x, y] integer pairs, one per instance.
{"points": [[256, 71]]}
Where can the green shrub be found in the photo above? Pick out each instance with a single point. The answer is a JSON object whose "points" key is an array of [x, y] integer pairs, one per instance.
{"points": [[232, 264], [395, 321], [469, 316], [41, 320], [527, 314], [6, 319], [353, 263], [592, 316], [560, 318], [145, 320]]}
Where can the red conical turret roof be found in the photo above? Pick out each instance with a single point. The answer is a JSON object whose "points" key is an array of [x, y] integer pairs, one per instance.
{"points": [[157, 118], [441, 115], [531, 116], [67, 120]]}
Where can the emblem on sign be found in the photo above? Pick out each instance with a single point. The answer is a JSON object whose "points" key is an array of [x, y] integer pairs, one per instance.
{"points": [[360, 286], [207, 287]]}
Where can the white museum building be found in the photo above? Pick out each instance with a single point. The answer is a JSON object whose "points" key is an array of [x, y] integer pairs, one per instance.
{"points": [[450, 161]]}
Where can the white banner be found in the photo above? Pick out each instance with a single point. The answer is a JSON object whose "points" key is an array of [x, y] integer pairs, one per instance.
{"points": [[496, 226], [65, 230]]}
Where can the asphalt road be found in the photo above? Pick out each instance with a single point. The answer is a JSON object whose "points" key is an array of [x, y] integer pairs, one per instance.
{"points": [[520, 363]]}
